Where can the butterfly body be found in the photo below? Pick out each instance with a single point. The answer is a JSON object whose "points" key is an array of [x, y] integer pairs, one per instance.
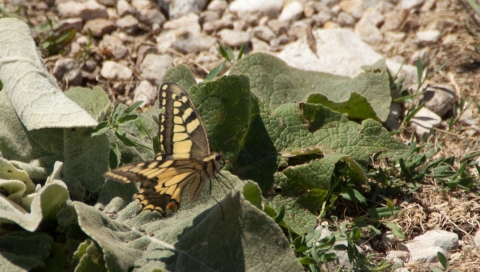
{"points": [[186, 159]]}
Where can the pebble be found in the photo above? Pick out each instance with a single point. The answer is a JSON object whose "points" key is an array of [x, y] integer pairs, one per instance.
{"points": [[245, 8], [145, 92], [85, 10], [178, 8], [124, 8], [128, 23], [99, 27], [188, 22], [115, 71], [428, 36], [66, 70], [410, 4], [439, 98], [234, 38], [369, 32], [154, 66], [263, 33], [211, 27], [112, 46], [424, 120], [291, 12]]}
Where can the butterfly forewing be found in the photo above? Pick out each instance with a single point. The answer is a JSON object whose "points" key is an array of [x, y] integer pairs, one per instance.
{"points": [[186, 158], [182, 134]]}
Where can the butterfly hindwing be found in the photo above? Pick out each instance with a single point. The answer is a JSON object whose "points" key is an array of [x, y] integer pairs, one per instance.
{"points": [[186, 158], [182, 134]]}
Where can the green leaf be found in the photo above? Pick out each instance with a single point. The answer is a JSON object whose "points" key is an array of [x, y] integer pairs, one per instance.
{"points": [[184, 240], [297, 219], [127, 119], [240, 53], [366, 96], [133, 107], [252, 193], [395, 230], [443, 260], [224, 53], [214, 72], [281, 215]]}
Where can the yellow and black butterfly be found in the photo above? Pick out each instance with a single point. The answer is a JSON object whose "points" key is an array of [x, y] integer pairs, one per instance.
{"points": [[186, 158]]}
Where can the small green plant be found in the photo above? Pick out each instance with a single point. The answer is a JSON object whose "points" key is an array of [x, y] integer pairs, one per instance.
{"points": [[117, 120], [228, 54]]}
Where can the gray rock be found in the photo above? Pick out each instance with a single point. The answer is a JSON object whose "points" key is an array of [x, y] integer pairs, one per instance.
{"points": [[374, 16], [345, 19], [263, 33], [178, 8], [291, 12], [394, 20], [188, 42], [388, 239], [76, 23], [444, 239], [398, 254], [476, 239], [369, 32], [124, 8], [145, 92], [424, 120], [154, 66], [234, 38], [439, 99], [108, 3], [99, 27], [85, 10], [424, 254], [112, 46], [215, 26], [144, 50], [188, 22], [209, 16], [115, 71], [218, 5], [148, 12], [128, 24], [322, 17], [66, 70], [278, 27]]}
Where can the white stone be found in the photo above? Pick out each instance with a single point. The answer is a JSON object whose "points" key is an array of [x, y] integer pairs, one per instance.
{"points": [[85, 10], [409, 4], [444, 239], [291, 12], [339, 52], [424, 120], [405, 71], [245, 8], [374, 16], [440, 99], [113, 47], [180, 8], [115, 71], [145, 92], [128, 23], [398, 254], [124, 8], [188, 22], [263, 33], [234, 38], [368, 32], [154, 66], [99, 27], [218, 5], [476, 239], [428, 36]]}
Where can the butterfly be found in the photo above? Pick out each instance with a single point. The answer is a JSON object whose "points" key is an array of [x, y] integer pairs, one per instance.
{"points": [[186, 157]]}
